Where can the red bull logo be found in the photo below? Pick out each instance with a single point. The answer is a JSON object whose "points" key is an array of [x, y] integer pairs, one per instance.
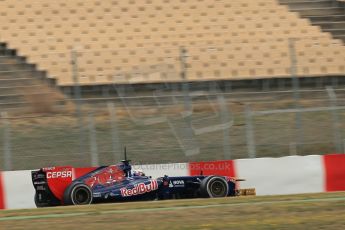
{"points": [[140, 188]]}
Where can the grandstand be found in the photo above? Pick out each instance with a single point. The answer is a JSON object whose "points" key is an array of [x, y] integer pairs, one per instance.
{"points": [[328, 14], [238, 44], [21, 84], [131, 42]]}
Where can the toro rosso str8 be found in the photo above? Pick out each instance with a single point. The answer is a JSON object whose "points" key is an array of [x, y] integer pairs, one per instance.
{"points": [[116, 183]]}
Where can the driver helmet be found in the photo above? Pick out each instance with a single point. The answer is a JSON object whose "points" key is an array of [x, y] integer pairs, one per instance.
{"points": [[138, 173]]}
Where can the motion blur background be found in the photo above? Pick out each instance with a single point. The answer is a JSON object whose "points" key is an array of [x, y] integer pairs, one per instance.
{"points": [[173, 80]]}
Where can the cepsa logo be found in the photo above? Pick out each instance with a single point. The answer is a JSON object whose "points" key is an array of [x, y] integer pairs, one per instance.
{"points": [[140, 188], [59, 174]]}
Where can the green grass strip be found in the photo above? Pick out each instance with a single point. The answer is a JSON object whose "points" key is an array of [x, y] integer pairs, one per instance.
{"points": [[170, 208]]}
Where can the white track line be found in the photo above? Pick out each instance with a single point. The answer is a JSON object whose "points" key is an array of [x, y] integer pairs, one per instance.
{"points": [[170, 208]]}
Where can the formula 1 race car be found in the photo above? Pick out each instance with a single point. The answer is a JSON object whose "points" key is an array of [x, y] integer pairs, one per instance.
{"points": [[117, 183]]}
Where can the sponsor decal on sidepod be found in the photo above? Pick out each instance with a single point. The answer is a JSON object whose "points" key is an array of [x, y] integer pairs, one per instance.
{"points": [[176, 183], [59, 174], [140, 188]]}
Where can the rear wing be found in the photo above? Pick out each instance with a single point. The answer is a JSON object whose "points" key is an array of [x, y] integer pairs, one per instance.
{"points": [[43, 195], [39, 179], [52, 181]]}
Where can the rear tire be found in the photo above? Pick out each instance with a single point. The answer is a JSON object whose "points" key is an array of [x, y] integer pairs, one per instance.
{"points": [[214, 186], [77, 193]]}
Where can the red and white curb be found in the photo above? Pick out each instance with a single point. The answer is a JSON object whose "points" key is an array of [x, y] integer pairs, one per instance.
{"points": [[270, 176]]}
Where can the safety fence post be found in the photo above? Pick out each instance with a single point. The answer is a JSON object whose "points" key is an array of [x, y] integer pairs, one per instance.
{"points": [[6, 142]]}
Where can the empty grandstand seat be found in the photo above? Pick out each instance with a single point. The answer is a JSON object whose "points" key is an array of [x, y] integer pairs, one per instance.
{"points": [[136, 42]]}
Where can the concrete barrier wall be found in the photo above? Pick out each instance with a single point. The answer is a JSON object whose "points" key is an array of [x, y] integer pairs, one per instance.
{"points": [[18, 189], [286, 175], [270, 176]]}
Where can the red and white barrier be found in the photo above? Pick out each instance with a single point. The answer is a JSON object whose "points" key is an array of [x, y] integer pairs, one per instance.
{"points": [[221, 168], [18, 189], [286, 175], [270, 176], [2, 194], [158, 170], [334, 166]]}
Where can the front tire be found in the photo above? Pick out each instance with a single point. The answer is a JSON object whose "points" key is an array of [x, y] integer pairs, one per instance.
{"points": [[214, 186], [77, 194]]}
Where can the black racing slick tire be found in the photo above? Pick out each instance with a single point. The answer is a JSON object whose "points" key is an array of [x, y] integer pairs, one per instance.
{"points": [[214, 186], [77, 193]]}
